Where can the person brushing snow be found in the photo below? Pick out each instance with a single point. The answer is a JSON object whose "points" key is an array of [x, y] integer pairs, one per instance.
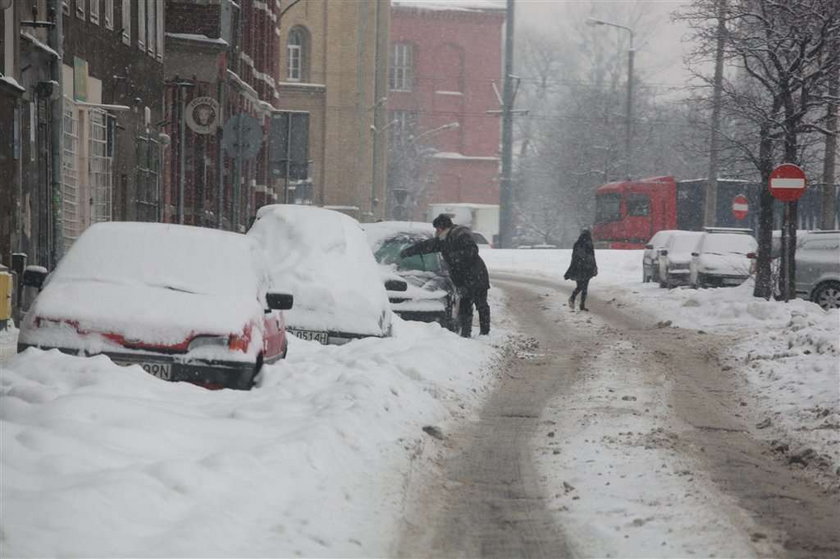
{"points": [[582, 268], [466, 269]]}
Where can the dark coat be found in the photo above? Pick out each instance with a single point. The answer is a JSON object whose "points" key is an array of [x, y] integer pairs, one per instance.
{"points": [[466, 268], [583, 266]]}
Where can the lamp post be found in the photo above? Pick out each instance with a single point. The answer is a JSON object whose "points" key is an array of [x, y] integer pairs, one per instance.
{"points": [[406, 165], [629, 109]]}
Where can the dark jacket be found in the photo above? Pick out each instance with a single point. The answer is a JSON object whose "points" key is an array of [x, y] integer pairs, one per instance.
{"points": [[583, 266], [466, 268]]}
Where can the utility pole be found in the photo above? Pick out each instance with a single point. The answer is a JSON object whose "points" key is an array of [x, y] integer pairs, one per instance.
{"points": [[55, 39], [710, 209], [506, 183]]}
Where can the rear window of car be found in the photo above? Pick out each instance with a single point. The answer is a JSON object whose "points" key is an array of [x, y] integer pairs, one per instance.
{"points": [[683, 242], [729, 243], [822, 243]]}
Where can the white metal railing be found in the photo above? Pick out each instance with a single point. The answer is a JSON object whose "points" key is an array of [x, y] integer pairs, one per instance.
{"points": [[70, 215]]}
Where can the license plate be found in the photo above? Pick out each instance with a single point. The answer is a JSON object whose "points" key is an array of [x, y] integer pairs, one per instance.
{"points": [[312, 335], [160, 370]]}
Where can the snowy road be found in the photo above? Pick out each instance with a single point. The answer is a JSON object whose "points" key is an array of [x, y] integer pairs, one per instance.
{"points": [[611, 436]]}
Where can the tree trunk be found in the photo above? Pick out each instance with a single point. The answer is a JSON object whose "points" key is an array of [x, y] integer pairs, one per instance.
{"points": [[763, 280]]}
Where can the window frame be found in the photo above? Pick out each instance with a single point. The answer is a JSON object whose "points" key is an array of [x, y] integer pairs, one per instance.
{"points": [[296, 55], [126, 22], [108, 16], [401, 67]]}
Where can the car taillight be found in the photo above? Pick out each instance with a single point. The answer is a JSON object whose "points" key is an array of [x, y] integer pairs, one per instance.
{"points": [[208, 341], [240, 342]]}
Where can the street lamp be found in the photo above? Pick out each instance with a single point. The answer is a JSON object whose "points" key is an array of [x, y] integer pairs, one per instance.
{"points": [[591, 21]]}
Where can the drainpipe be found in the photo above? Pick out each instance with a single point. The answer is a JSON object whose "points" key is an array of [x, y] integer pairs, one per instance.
{"points": [[56, 42]]}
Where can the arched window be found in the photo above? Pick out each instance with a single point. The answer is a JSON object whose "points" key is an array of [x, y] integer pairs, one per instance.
{"points": [[296, 55]]}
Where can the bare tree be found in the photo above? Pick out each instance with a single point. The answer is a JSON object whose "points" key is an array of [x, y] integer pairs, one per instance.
{"points": [[779, 58]]}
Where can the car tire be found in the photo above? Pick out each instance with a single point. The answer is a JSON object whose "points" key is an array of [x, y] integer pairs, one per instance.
{"points": [[827, 295]]}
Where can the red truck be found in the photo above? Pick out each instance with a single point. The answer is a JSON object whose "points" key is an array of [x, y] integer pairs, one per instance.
{"points": [[628, 213]]}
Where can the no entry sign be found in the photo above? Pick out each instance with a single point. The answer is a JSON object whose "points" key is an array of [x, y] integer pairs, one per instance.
{"points": [[740, 206], [787, 182]]}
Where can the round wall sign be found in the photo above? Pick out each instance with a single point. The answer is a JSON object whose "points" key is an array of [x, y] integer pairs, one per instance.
{"points": [[203, 115]]}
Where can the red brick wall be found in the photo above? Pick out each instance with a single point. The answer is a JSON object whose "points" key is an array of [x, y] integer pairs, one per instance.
{"points": [[457, 57]]}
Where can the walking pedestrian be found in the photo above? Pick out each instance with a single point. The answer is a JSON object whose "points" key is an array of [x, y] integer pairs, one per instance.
{"points": [[466, 269], [582, 268]]}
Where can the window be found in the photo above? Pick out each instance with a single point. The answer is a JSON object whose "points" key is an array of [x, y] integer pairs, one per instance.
{"points": [[148, 178], [295, 54], [141, 24], [93, 11], [607, 208], [80, 9], [400, 71], [109, 14], [100, 163], [126, 22], [638, 205], [151, 31], [160, 30]]}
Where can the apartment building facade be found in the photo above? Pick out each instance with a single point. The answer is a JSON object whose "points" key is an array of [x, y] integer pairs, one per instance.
{"points": [[333, 73], [443, 110], [90, 78]]}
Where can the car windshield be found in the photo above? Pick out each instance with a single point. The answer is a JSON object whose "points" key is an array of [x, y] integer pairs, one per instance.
{"points": [[729, 243], [389, 253]]}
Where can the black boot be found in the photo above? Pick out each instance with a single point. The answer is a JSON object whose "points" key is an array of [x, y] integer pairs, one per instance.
{"points": [[572, 302], [582, 303]]}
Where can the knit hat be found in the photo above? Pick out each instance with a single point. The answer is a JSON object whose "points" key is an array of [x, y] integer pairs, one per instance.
{"points": [[442, 221]]}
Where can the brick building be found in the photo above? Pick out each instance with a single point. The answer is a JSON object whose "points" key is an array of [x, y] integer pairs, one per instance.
{"points": [[221, 65], [445, 58], [91, 74]]}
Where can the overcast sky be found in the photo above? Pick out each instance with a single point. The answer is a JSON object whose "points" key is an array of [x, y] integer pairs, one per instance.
{"points": [[659, 45]]}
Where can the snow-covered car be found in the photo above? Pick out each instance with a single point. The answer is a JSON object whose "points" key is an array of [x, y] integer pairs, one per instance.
{"points": [[720, 258], [818, 268], [430, 295], [674, 258], [323, 257], [650, 256], [184, 303]]}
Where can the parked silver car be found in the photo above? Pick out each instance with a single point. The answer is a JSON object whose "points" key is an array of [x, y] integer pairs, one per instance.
{"points": [[674, 258], [650, 257], [818, 268], [720, 259]]}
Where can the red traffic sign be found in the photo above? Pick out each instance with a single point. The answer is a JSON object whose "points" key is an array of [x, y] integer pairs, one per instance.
{"points": [[787, 182], [740, 206]]}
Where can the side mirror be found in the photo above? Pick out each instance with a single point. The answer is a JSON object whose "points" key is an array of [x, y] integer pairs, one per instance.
{"points": [[663, 252], [751, 255], [34, 276], [695, 254], [396, 285], [649, 247], [279, 301]]}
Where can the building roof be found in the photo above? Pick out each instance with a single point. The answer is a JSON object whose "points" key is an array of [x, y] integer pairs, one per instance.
{"points": [[452, 5]]}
